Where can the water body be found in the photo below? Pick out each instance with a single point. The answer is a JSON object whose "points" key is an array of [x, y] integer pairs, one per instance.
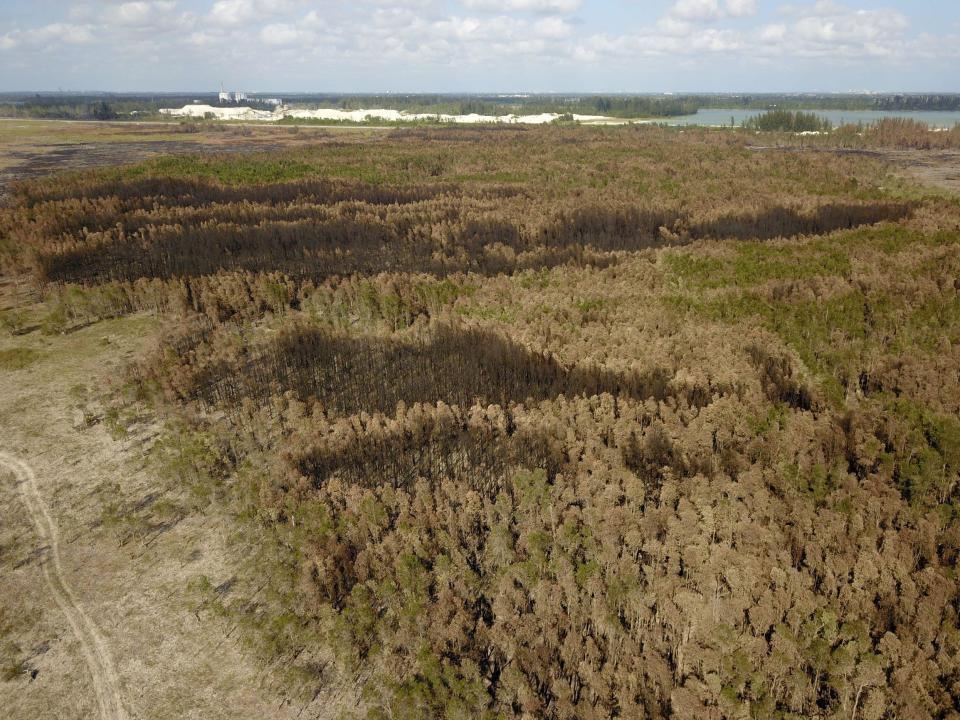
{"points": [[715, 117]]}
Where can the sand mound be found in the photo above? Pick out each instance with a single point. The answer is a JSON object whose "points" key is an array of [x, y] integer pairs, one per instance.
{"points": [[246, 113]]}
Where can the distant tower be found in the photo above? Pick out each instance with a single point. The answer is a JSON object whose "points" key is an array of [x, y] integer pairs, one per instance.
{"points": [[224, 96]]}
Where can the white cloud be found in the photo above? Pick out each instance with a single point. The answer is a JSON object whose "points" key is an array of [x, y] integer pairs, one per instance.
{"points": [[650, 43], [671, 27], [312, 20], [706, 10], [232, 12], [329, 43], [773, 33], [541, 6], [52, 35], [237, 13], [282, 34], [138, 13], [553, 27], [741, 8], [145, 16], [696, 10], [828, 29], [203, 39], [408, 33], [851, 25]]}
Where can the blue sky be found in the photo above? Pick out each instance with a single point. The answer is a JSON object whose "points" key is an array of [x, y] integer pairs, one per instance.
{"points": [[481, 45]]}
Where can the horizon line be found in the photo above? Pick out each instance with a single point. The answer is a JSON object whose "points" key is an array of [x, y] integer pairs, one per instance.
{"points": [[195, 91]]}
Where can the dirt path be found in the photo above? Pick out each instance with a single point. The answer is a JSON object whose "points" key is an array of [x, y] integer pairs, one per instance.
{"points": [[936, 167], [138, 588], [94, 647]]}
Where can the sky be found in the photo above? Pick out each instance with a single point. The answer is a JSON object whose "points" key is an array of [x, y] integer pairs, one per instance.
{"points": [[481, 45]]}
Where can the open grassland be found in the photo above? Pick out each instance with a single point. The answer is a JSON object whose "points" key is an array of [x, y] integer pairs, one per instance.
{"points": [[36, 148], [499, 422], [133, 581]]}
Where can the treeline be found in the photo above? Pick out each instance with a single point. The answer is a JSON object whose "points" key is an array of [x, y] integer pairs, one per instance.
{"points": [[305, 250], [625, 106], [83, 107], [384, 302], [787, 121], [99, 106], [353, 239], [632, 107], [348, 374], [85, 232], [61, 110], [917, 102], [118, 106], [813, 101]]}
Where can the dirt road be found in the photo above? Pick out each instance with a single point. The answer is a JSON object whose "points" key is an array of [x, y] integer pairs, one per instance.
{"points": [[95, 649], [938, 168]]}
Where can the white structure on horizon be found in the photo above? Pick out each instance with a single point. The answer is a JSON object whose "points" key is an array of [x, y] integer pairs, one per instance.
{"points": [[228, 97]]}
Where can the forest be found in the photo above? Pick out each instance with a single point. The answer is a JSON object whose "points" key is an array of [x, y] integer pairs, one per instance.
{"points": [[555, 422], [832, 101], [623, 106], [99, 106], [119, 106], [102, 106]]}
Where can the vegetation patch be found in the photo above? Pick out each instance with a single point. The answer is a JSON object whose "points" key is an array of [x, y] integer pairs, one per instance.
{"points": [[788, 121], [18, 358], [349, 374], [632, 480]]}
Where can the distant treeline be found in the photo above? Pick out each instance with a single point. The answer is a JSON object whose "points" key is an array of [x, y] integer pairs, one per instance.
{"points": [[897, 103], [101, 106], [111, 107], [61, 109], [628, 106], [611, 105]]}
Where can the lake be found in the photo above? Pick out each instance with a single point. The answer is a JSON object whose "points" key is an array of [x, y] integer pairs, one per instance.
{"points": [[935, 119]]}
